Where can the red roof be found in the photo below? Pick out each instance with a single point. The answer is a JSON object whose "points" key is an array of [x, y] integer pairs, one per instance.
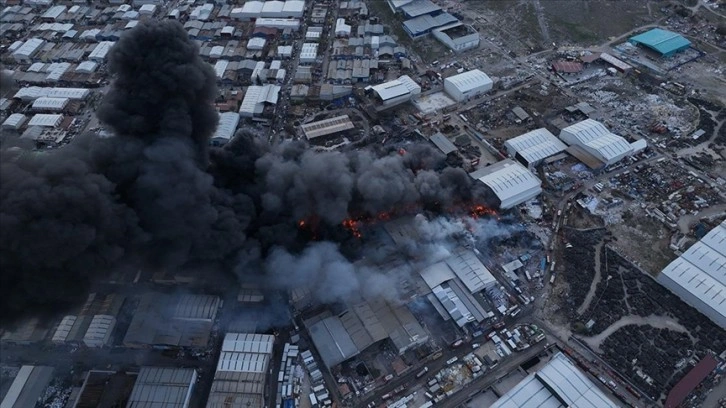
{"points": [[568, 67], [689, 383]]}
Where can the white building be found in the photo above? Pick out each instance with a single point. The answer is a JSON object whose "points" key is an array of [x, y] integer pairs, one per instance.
{"points": [[56, 71], [293, 8], [279, 23], [202, 13], [50, 104], [14, 121], [64, 329], [46, 120], [147, 10], [512, 183], [28, 386], [309, 53], [25, 52], [167, 387], [100, 51], [458, 37], [698, 276], [255, 99], [395, 92], [341, 28], [284, 51], [87, 67], [596, 140], [533, 147], [220, 67], [53, 13], [558, 384], [216, 52], [226, 128], [32, 93], [256, 43], [467, 85], [99, 331]]}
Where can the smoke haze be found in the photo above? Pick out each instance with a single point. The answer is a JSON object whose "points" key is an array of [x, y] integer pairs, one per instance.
{"points": [[155, 196]]}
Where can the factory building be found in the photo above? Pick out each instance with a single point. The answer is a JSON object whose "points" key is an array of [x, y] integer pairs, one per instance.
{"points": [[512, 183], [309, 53], [239, 380], [104, 388], [226, 128], [458, 37], [594, 139], [165, 321], [420, 26], [27, 387], [419, 8], [252, 10], [395, 92], [93, 324], [664, 42], [27, 50], [279, 23], [32, 93], [698, 276], [46, 104], [453, 283], [99, 331], [163, 387], [534, 146], [462, 87], [326, 127], [14, 121], [559, 383], [443, 143], [256, 98], [46, 120], [101, 51]]}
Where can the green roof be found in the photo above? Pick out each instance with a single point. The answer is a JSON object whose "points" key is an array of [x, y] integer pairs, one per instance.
{"points": [[663, 41]]}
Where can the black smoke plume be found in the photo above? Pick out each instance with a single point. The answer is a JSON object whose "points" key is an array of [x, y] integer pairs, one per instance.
{"points": [[154, 196]]}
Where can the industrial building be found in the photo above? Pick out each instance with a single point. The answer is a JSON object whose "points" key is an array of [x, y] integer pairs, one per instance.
{"points": [[363, 324], [46, 120], [534, 146], [395, 92], [596, 140], [27, 50], [664, 42], [239, 380], [14, 121], [458, 37], [27, 387], [422, 25], [50, 104], [326, 127], [418, 8], [164, 320], [226, 128], [512, 183], [101, 51], [163, 387], [698, 276], [93, 324], [99, 331], [559, 383], [103, 388], [309, 53], [453, 283], [256, 98], [251, 10], [467, 85], [443, 143], [678, 394], [31, 93]]}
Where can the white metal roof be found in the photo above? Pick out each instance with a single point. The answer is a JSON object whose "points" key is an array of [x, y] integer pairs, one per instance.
{"points": [[87, 66], [98, 330], [101, 50], [197, 307], [437, 274], [54, 12], [248, 343], [309, 51], [272, 8], [559, 380], [466, 81], [536, 145], [162, 387], [64, 328], [50, 103], [327, 126], [281, 23], [294, 6], [243, 362], [412, 86], [227, 126], [509, 180], [46, 120], [593, 134], [15, 120], [256, 43], [256, 97], [29, 47], [220, 67], [470, 270], [395, 88], [252, 7]]}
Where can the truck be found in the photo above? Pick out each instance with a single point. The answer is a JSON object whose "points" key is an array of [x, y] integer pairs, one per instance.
{"points": [[452, 360], [457, 343], [422, 372]]}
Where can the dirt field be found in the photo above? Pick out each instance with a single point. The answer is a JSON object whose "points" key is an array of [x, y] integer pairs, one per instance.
{"points": [[643, 240]]}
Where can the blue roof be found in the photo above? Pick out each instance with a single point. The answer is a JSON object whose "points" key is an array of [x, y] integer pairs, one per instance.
{"points": [[663, 41]]}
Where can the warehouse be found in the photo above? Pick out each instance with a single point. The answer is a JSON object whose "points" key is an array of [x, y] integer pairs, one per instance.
{"points": [[698, 276], [467, 85], [594, 138], [309, 53], [32, 93], [26, 332], [419, 8], [256, 98], [239, 380], [420, 26], [443, 143], [99, 331], [226, 128], [50, 104], [533, 147], [678, 394], [14, 121], [458, 37], [395, 92], [664, 42], [27, 50], [512, 183], [46, 120], [28, 386], [559, 383], [99, 53], [104, 388], [172, 321], [327, 127], [279, 23], [163, 387]]}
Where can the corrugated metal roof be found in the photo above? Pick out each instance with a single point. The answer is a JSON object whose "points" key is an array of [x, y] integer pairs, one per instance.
{"points": [[663, 41], [509, 180], [594, 135], [470, 270], [162, 387], [332, 341], [419, 7], [469, 80], [536, 145], [443, 143], [423, 24], [688, 383], [327, 126]]}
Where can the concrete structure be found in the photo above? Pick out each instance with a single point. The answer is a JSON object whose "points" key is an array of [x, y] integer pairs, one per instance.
{"points": [[512, 183], [239, 380], [327, 127], [698, 276], [50, 104], [226, 128], [46, 120], [664, 42], [27, 387], [256, 98], [534, 146], [99, 331], [593, 137], [558, 384], [395, 92], [458, 37], [163, 387], [14, 121], [467, 85]]}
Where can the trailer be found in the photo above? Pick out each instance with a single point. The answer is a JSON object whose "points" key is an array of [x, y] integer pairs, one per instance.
{"points": [[552, 279]]}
